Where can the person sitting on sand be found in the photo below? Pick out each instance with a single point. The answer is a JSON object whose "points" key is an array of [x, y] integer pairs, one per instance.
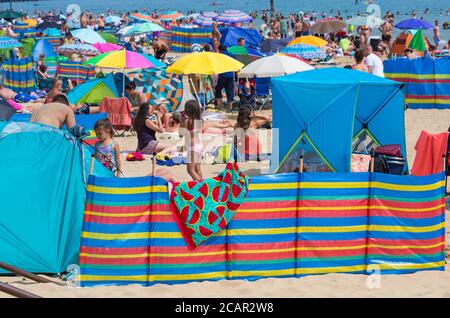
{"points": [[55, 114], [146, 124], [359, 59], [160, 48], [136, 98]]}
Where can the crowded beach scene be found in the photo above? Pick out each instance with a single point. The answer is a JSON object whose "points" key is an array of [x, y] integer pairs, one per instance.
{"points": [[226, 149]]}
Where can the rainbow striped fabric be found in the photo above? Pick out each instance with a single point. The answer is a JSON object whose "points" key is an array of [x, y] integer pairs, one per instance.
{"points": [[18, 75], [290, 225], [428, 80], [184, 38], [76, 71]]}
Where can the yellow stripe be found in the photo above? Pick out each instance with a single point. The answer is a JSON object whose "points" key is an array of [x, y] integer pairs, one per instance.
{"points": [[347, 185], [136, 190], [427, 101], [145, 213], [405, 246], [273, 273], [417, 76], [415, 229]]}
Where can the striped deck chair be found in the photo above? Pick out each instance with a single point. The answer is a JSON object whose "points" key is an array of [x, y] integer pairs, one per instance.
{"points": [[75, 71], [18, 75]]}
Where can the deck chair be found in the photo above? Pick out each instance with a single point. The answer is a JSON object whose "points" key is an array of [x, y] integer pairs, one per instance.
{"points": [[263, 93], [119, 113], [245, 97]]}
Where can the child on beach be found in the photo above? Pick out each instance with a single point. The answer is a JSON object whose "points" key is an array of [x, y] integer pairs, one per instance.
{"points": [[106, 150], [193, 123]]}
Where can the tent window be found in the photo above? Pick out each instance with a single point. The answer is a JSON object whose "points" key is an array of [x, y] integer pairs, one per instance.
{"points": [[312, 160], [364, 142]]}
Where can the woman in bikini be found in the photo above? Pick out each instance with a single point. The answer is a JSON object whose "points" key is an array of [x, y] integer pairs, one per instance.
{"points": [[193, 124], [216, 36]]}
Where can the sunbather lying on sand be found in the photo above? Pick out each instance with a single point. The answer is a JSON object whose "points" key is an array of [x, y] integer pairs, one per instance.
{"points": [[55, 114], [7, 93]]}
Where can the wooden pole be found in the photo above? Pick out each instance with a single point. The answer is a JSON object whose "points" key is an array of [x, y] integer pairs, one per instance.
{"points": [[91, 167], [372, 164], [153, 164], [272, 8], [16, 292], [300, 164], [28, 275]]}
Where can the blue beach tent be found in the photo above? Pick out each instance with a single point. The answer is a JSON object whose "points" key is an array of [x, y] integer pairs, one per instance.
{"points": [[231, 35], [43, 47], [325, 114], [43, 178], [93, 91]]}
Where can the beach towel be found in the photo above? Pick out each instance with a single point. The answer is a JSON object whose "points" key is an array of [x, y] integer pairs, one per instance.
{"points": [[118, 109], [360, 162], [430, 148], [204, 208]]}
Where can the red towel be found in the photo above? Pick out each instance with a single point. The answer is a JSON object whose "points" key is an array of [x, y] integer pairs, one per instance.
{"points": [[118, 109], [430, 148]]}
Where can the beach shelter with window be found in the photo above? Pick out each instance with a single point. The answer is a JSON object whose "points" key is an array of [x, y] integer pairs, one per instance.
{"points": [[43, 47], [324, 114]]}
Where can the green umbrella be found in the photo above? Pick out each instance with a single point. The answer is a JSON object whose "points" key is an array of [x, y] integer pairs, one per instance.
{"points": [[417, 42], [108, 37], [28, 46], [9, 15], [239, 50]]}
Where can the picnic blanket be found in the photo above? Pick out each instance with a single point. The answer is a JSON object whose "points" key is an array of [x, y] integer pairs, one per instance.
{"points": [[204, 208]]}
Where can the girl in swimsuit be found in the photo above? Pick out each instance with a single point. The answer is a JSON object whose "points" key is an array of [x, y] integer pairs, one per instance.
{"points": [[106, 150], [216, 36], [193, 124]]}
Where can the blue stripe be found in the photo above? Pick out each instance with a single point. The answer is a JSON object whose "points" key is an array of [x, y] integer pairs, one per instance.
{"points": [[388, 220], [406, 235]]}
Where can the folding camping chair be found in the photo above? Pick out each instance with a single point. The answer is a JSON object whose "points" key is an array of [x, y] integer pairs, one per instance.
{"points": [[263, 93], [247, 96], [119, 113]]}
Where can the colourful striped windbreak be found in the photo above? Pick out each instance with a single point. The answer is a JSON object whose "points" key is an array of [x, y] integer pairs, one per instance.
{"points": [[76, 71], [428, 80], [184, 38], [290, 225], [18, 74]]}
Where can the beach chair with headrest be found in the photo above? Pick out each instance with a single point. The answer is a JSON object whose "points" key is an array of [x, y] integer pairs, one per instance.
{"points": [[263, 93], [119, 113]]}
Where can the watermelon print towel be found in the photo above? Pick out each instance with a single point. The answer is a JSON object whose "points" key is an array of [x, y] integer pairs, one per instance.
{"points": [[204, 208]]}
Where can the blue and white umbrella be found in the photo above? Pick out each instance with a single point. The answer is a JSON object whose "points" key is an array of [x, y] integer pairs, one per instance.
{"points": [[204, 21], [233, 16], [9, 43], [83, 49], [113, 19], [88, 36], [304, 51]]}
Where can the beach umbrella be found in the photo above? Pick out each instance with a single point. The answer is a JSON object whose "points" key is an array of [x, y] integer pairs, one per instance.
{"points": [[274, 66], [369, 20], [244, 55], [210, 14], [7, 43], [241, 50], [414, 24], [233, 16], [327, 25], [309, 40], [79, 48], [30, 22], [88, 36], [10, 15], [47, 25], [107, 47], [108, 37], [204, 21], [304, 51], [53, 32], [43, 47], [122, 60], [417, 42], [124, 30], [193, 15], [204, 63], [157, 63], [142, 28], [171, 16], [113, 19]]}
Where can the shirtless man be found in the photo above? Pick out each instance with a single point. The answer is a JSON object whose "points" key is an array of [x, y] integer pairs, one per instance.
{"points": [[55, 114], [386, 30], [7, 93], [436, 33]]}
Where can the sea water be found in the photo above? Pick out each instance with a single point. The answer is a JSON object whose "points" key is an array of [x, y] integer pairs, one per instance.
{"points": [[438, 9]]}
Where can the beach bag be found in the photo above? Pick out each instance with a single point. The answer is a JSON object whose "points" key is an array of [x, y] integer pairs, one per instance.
{"points": [[389, 150]]}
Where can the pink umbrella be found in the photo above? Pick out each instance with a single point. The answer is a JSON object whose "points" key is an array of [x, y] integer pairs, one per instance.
{"points": [[107, 47]]}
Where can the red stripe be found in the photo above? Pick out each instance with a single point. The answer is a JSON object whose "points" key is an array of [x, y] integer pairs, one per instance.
{"points": [[412, 80], [114, 261], [388, 242], [406, 251], [126, 209], [428, 96]]}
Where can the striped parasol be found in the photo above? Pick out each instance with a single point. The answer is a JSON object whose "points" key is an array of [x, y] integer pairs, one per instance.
{"points": [[9, 43], [233, 16], [204, 21], [83, 49], [171, 16], [304, 51]]}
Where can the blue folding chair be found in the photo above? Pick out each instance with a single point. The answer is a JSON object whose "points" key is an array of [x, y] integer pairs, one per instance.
{"points": [[263, 93]]}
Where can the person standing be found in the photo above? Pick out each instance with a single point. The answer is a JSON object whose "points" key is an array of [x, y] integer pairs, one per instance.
{"points": [[373, 62], [436, 33], [225, 81]]}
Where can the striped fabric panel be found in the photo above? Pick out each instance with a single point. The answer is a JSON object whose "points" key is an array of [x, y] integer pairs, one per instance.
{"points": [[289, 226], [76, 71], [184, 38], [18, 75]]}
